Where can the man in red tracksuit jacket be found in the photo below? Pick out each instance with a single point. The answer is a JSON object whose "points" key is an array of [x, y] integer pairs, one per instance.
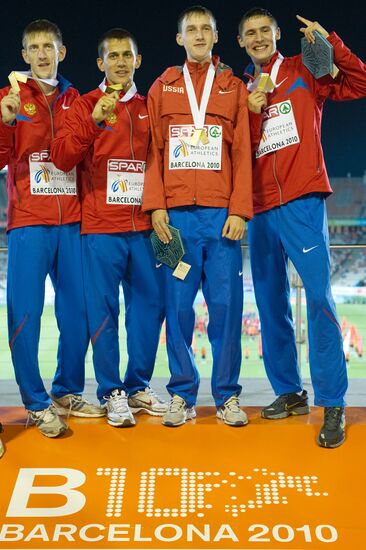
{"points": [[290, 186], [205, 190], [43, 233], [106, 133]]}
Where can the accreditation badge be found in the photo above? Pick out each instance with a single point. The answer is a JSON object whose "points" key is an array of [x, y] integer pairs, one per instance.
{"points": [[46, 179], [202, 156], [279, 128], [125, 181]]}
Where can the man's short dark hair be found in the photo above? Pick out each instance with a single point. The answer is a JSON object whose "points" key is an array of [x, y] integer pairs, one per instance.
{"points": [[116, 34], [255, 12], [41, 25], [194, 9]]}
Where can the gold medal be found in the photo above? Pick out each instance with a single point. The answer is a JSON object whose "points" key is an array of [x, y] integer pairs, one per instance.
{"points": [[14, 78], [199, 135], [265, 83], [195, 139], [113, 88], [204, 137]]}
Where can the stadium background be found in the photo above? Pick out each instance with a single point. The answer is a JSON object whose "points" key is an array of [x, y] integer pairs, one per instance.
{"points": [[82, 23]]}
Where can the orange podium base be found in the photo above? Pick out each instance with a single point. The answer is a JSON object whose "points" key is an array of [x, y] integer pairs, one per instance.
{"points": [[202, 485]]}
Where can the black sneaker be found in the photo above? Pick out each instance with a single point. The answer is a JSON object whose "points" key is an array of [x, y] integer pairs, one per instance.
{"points": [[289, 404], [332, 433]]}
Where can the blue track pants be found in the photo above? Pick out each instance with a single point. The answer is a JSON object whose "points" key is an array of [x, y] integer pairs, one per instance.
{"points": [[34, 252], [127, 258], [297, 230], [216, 262]]}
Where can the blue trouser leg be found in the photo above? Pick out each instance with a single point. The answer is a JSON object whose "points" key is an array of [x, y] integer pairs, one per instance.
{"points": [[216, 263], [144, 302], [304, 227], [179, 298], [222, 287], [104, 260], [70, 311], [31, 253], [272, 292]]}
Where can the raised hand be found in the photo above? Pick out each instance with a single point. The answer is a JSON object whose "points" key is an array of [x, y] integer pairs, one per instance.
{"points": [[10, 106], [310, 27]]}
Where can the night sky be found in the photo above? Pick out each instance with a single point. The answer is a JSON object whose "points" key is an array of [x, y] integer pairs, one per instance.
{"points": [[154, 25]]}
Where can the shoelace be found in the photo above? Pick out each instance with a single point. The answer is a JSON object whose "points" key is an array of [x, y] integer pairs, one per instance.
{"points": [[232, 404], [75, 400], [38, 416], [118, 401], [332, 417], [176, 404], [153, 394]]}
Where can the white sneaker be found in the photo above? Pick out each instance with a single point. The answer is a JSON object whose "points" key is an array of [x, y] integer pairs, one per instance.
{"points": [[147, 401], [76, 405], [118, 412], [231, 412], [178, 413], [48, 421]]}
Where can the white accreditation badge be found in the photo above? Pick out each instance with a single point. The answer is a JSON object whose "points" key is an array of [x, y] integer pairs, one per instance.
{"points": [[183, 155], [125, 181], [279, 128], [46, 179], [196, 146]]}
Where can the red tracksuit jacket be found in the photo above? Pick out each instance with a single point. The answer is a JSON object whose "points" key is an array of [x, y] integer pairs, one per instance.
{"points": [[35, 126], [123, 136]]}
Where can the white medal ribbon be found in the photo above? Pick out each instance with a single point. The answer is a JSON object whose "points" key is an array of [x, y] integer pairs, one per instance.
{"points": [[128, 95], [274, 72], [50, 81], [199, 113], [275, 68]]}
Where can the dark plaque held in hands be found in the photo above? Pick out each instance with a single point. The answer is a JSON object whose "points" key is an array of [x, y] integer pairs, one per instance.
{"points": [[171, 253], [318, 57]]}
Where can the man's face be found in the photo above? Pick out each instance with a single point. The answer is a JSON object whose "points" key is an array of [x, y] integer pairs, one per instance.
{"points": [[259, 36], [43, 53], [119, 62], [198, 37]]}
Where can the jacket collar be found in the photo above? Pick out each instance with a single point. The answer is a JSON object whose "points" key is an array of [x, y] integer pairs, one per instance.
{"points": [[250, 68], [223, 73]]}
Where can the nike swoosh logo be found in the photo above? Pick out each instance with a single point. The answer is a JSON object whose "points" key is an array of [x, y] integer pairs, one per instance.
{"points": [[225, 91], [282, 81], [306, 250], [240, 273], [158, 265], [142, 116]]}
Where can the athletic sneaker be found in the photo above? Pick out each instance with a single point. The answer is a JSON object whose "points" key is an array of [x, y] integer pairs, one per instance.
{"points": [[332, 433], [118, 412], [178, 413], [289, 404], [231, 412], [147, 401], [76, 405], [2, 448], [48, 421]]}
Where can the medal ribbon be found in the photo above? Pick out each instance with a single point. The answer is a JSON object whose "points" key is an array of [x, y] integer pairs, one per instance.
{"points": [[199, 113], [128, 95], [50, 81], [274, 72]]}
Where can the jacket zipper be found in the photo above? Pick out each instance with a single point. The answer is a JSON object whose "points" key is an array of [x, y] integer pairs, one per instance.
{"points": [[53, 135], [275, 177], [133, 158]]}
